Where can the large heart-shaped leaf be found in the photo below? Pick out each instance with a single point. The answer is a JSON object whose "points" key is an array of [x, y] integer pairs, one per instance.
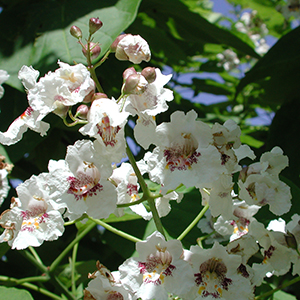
{"points": [[38, 32]]}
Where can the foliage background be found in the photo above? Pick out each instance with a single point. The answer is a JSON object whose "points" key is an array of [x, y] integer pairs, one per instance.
{"points": [[184, 36]]}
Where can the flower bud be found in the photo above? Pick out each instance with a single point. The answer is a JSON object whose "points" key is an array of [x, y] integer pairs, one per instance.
{"points": [[94, 25], [135, 84], [133, 48], [82, 111], [128, 72], [149, 74], [99, 96], [94, 50], [76, 32]]}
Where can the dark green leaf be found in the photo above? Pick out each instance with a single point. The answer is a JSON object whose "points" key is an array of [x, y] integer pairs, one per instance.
{"points": [[9, 293]]}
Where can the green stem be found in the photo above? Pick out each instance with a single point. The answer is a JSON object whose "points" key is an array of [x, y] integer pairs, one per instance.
{"points": [[194, 222], [35, 254], [81, 235], [73, 268], [34, 261], [23, 280], [156, 217], [146, 192], [63, 288], [282, 286], [94, 76], [32, 287], [132, 203], [115, 230], [103, 59]]}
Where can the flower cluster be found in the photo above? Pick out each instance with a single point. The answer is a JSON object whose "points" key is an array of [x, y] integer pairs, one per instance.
{"points": [[93, 182]]}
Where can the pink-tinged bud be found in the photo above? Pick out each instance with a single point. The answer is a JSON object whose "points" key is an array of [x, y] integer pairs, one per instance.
{"points": [[76, 32], [135, 84], [99, 96], [82, 111], [133, 48], [60, 110], [128, 72], [114, 45], [94, 50], [94, 25], [149, 73]]}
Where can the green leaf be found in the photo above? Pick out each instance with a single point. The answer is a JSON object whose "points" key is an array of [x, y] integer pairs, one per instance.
{"points": [[46, 39], [281, 295], [278, 71], [14, 293], [284, 132]]}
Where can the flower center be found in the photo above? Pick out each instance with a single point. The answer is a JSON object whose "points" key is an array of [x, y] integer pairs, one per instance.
{"points": [[211, 279], [113, 295], [86, 183], [157, 266], [35, 214], [107, 132], [182, 154]]}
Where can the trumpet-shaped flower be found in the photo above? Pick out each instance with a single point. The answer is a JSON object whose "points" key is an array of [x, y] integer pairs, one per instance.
{"points": [[151, 101], [158, 270], [184, 154], [32, 218], [217, 275], [85, 173], [67, 86], [106, 124]]}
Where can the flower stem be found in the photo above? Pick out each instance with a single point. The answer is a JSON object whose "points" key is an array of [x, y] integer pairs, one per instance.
{"points": [[103, 59], [115, 230], [81, 235], [35, 254], [194, 222], [146, 192], [34, 261], [156, 217], [282, 286], [31, 286], [73, 268]]}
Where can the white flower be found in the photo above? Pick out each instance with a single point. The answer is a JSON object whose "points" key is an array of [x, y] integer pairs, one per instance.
{"points": [[260, 185], [106, 124], [133, 48], [127, 185], [158, 270], [262, 189], [218, 275], [254, 27], [67, 86], [106, 286], [226, 138], [228, 59], [84, 173], [3, 77], [237, 226], [147, 104], [184, 153], [32, 218], [28, 119], [277, 256]]}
